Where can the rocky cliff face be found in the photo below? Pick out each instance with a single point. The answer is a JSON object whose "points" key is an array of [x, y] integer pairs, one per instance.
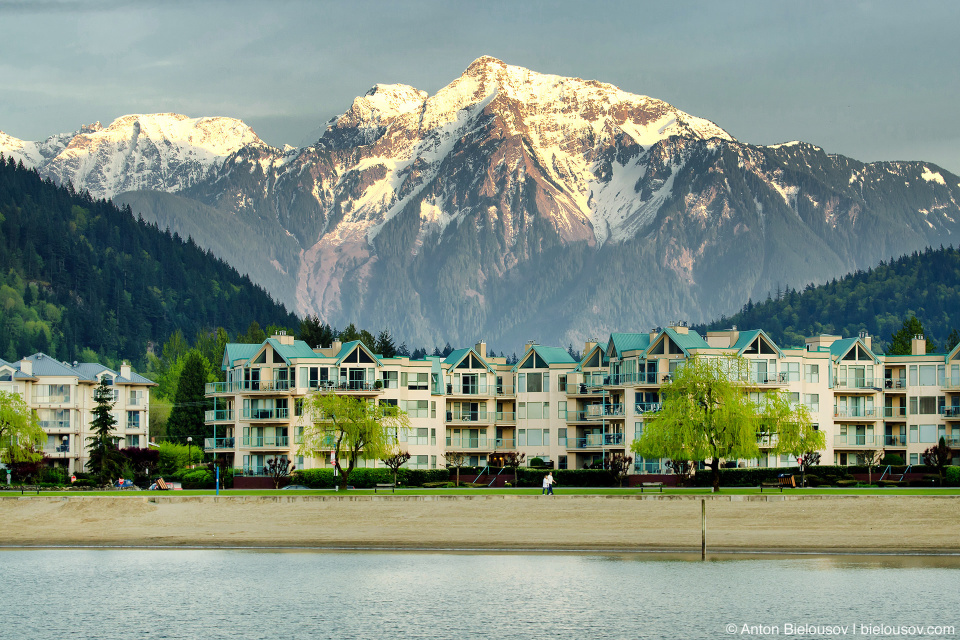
{"points": [[514, 205]]}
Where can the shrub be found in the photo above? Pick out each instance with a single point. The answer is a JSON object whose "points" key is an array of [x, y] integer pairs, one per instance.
{"points": [[892, 459], [473, 485], [438, 485], [847, 483], [536, 463], [952, 477], [567, 478]]}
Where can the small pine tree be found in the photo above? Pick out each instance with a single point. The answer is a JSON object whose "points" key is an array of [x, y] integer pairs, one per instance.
{"points": [[105, 459]]}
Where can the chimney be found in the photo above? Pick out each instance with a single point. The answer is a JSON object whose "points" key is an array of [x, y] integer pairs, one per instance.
{"points": [[481, 349], [283, 338], [866, 339], [26, 366], [125, 370], [587, 346], [530, 345], [336, 346], [918, 346]]}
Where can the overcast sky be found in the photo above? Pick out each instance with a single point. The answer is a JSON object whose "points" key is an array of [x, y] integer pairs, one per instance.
{"points": [[872, 80]]}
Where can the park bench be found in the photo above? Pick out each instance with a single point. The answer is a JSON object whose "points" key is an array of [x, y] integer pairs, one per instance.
{"points": [[651, 485], [385, 485], [783, 481]]}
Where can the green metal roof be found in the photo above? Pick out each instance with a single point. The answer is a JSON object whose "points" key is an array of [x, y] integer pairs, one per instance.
{"points": [[839, 348], [687, 341], [550, 355], [456, 356], [299, 349], [624, 342], [747, 337], [348, 348], [236, 351]]}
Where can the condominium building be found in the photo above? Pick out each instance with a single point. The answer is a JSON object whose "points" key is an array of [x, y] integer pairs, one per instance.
{"points": [[61, 394], [576, 414]]}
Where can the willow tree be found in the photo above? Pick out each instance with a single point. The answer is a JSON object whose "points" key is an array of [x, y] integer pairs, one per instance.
{"points": [[21, 437], [352, 428], [707, 413]]}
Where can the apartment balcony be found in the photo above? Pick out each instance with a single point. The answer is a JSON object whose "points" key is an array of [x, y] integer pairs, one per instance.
{"points": [[767, 440], [470, 417], [647, 407], [504, 444], [895, 384], [596, 413], [133, 426], [766, 379], [505, 390], [951, 383], [56, 426], [217, 444], [867, 385], [894, 412], [508, 417], [265, 414], [249, 386], [596, 441], [470, 390], [632, 379], [218, 415], [950, 413], [266, 442], [894, 440], [952, 440], [856, 440], [470, 444], [855, 413], [584, 389]]}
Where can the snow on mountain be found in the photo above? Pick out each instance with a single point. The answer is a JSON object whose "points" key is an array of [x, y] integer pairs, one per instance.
{"points": [[162, 152]]}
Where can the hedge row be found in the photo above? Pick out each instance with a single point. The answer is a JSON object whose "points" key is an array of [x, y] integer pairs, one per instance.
{"points": [[755, 476], [367, 478], [952, 477], [567, 477]]}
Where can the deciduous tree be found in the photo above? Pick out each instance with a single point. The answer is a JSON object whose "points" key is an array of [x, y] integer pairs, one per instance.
{"points": [[278, 468], [619, 466], [395, 461], [352, 428], [21, 437], [455, 459], [939, 457]]}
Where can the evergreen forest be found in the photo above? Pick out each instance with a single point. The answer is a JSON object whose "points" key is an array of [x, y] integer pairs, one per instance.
{"points": [[83, 280], [924, 285]]}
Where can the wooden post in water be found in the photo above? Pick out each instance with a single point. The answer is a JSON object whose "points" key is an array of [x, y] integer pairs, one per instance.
{"points": [[703, 528]]}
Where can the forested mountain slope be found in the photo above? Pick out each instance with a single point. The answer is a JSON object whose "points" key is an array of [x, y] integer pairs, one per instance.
{"points": [[80, 273], [923, 284]]}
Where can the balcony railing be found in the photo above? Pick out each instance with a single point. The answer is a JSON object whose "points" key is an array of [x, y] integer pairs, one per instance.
{"points": [[467, 443], [854, 412], [623, 379], [648, 467], [584, 388], [219, 443], [856, 383], [894, 412], [133, 426], [249, 385], [950, 383], [952, 413], [506, 416], [218, 415], [595, 440], [855, 440], [505, 443], [952, 440], [647, 407], [469, 416], [266, 414], [466, 389], [55, 425], [266, 441], [895, 383], [767, 377], [894, 440]]}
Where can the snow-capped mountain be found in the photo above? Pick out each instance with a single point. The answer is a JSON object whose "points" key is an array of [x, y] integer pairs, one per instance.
{"points": [[162, 152], [514, 205]]}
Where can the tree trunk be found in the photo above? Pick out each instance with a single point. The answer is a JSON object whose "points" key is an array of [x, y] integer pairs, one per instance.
{"points": [[715, 468]]}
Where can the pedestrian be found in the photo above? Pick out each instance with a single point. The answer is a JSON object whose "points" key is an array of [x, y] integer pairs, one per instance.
{"points": [[548, 482]]}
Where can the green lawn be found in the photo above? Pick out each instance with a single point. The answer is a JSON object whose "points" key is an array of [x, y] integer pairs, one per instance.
{"points": [[597, 491]]}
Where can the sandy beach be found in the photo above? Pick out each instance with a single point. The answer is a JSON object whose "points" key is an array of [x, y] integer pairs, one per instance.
{"points": [[828, 524]]}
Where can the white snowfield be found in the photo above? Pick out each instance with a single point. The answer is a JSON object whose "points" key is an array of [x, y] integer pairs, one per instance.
{"points": [[162, 151]]}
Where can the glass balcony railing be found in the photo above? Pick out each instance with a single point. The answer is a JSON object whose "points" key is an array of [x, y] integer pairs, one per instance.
{"points": [[894, 412], [647, 407], [854, 412], [505, 443], [952, 413], [55, 425], [266, 441], [249, 385], [895, 383], [469, 416], [506, 416], [767, 377], [467, 389], [855, 440], [595, 440], [894, 440], [467, 443], [856, 383], [218, 415], [219, 443], [266, 414]]}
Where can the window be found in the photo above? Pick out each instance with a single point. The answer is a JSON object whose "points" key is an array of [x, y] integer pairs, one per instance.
{"points": [[926, 405], [534, 382], [561, 462], [562, 410], [133, 419], [811, 373], [390, 379], [418, 408], [133, 441], [521, 410], [433, 408], [812, 402], [562, 437], [535, 410], [928, 433], [562, 383], [791, 371]]}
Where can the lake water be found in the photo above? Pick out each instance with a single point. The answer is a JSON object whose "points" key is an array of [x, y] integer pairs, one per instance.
{"points": [[75, 594]]}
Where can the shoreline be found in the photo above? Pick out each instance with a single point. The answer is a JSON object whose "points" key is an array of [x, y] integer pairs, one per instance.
{"points": [[736, 525]]}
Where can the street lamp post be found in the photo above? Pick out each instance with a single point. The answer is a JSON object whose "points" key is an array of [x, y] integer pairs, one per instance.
{"points": [[189, 459]]}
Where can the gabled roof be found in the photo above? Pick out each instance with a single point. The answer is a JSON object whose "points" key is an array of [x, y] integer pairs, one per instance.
{"points": [[620, 343], [299, 349], [549, 355], [840, 348], [348, 348], [236, 351], [457, 356], [686, 341], [604, 361], [95, 370], [44, 365], [746, 338]]}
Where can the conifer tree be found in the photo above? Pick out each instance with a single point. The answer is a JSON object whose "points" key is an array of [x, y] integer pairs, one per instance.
{"points": [[104, 459], [189, 403]]}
